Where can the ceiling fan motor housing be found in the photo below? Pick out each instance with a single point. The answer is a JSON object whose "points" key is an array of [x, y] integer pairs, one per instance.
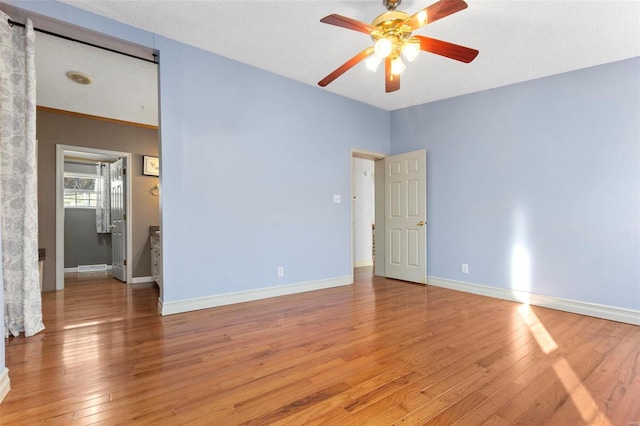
{"points": [[390, 25]]}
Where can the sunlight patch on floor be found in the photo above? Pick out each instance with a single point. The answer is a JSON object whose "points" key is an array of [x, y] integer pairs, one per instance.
{"points": [[540, 333], [580, 396]]}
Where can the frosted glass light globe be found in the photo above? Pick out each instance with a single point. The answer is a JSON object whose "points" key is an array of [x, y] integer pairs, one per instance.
{"points": [[373, 62], [397, 66], [383, 48], [410, 50]]}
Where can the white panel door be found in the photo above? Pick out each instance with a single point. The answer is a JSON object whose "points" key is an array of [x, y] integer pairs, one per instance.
{"points": [[118, 221], [406, 216]]}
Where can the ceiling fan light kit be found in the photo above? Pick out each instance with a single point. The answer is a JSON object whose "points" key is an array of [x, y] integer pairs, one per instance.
{"points": [[391, 33]]}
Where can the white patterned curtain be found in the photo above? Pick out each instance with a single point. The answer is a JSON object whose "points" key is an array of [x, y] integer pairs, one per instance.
{"points": [[18, 180], [103, 207]]}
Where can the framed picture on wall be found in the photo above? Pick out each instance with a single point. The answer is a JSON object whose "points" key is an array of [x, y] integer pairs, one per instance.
{"points": [[150, 166]]}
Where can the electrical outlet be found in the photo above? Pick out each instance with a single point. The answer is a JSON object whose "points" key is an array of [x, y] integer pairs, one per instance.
{"points": [[336, 198], [280, 271], [465, 268]]}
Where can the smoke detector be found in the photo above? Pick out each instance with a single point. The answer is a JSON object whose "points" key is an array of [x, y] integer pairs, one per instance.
{"points": [[78, 77]]}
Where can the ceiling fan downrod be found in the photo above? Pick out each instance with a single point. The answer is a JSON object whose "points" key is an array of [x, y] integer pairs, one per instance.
{"points": [[391, 5]]}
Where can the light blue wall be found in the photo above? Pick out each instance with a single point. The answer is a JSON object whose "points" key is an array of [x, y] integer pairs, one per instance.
{"points": [[80, 18], [550, 165], [250, 163]]}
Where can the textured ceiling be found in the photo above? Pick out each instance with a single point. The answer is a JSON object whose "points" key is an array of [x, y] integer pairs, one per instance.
{"points": [[122, 88], [517, 40]]}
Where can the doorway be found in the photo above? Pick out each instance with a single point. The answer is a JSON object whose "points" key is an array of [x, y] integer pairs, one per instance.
{"points": [[94, 154], [400, 218], [365, 209], [114, 108]]}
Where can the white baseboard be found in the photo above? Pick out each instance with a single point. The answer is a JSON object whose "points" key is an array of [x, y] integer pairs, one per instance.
{"points": [[613, 313], [178, 306], [361, 263], [5, 384], [75, 269], [140, 280]]}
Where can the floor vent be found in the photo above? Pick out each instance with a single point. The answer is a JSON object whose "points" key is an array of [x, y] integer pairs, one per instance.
{"points": [[92, 268]]}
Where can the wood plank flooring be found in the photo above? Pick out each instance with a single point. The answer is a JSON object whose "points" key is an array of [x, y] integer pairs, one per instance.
{"points": [[380, 352]]}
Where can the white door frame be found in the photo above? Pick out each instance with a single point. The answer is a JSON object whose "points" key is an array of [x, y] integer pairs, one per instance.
{"points": [[60, 149], [378, 191]]}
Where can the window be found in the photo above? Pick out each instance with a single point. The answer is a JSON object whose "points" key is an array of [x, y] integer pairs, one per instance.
{"points": [[80, 190]]}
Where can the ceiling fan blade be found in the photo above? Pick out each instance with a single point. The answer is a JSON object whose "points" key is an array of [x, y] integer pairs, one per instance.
{"points": [[392, 81], [436, 11], [446, 49], [348, 23], [346, 66]]}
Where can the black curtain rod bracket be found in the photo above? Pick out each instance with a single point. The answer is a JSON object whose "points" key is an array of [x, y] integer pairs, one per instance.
{"points": [[18, 24]]}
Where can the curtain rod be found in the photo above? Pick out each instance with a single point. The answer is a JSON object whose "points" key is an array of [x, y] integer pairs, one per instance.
{"points": [[18, 24]]}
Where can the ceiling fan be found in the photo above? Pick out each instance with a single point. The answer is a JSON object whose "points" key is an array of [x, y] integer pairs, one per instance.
{"points": [[391, 33]]}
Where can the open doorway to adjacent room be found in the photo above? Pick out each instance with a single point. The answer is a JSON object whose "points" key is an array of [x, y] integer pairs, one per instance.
{"points": [[96, 105], [389, 214], [365, 202], [81, 247]]}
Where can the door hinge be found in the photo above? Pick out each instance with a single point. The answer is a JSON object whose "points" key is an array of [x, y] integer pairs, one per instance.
{"points": [[124, 216], [124, 262], [124, 171]]}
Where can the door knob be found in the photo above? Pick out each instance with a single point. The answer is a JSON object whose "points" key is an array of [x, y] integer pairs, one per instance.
{"points": [[421, 223]]}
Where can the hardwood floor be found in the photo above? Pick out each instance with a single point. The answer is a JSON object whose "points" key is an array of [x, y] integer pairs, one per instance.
{"points": [[379, 352]]}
